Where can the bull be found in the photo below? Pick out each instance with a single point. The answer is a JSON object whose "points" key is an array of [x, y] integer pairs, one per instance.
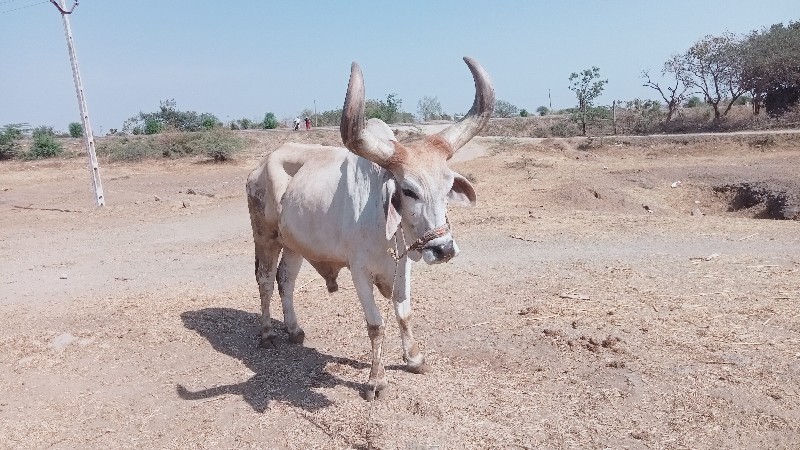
{"points": [[372, 207]]}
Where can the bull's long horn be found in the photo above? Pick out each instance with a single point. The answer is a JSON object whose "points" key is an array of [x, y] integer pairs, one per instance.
{"points": [[458, 134], [354, 133]]}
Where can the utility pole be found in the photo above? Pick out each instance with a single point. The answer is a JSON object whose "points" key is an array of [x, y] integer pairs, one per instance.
{"points": [[549, 100], [316, 117], [614, 115], [94, 168]]}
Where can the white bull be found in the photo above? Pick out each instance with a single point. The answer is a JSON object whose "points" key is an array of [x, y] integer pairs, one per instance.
{"points": [[369, 209]]}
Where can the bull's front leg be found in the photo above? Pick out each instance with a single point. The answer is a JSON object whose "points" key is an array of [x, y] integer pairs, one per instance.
{"points": [[377, 384], [401, 298]]}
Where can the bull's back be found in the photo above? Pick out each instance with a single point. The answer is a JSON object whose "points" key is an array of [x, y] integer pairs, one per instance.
{"points": [[267, 184]]}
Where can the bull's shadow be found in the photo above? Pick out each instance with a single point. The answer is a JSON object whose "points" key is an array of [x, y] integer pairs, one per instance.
{"points": [[289, 373]]}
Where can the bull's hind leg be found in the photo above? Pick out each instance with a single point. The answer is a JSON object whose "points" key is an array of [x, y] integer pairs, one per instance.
{"points": [[288, 269], [266, 268]]}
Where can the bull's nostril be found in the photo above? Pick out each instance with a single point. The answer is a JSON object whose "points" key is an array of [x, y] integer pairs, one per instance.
{"points": [[444, 251]]}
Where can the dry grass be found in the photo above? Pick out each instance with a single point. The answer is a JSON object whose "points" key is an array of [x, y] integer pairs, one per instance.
{"points": [[572, 318]]}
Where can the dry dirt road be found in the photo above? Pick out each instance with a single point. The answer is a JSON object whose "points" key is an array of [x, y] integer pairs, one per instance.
{"points": [[588, 309]]}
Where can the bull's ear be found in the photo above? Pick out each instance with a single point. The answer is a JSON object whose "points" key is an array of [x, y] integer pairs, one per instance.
{"points": [[462, 193], [381, 130], [391, 208]]}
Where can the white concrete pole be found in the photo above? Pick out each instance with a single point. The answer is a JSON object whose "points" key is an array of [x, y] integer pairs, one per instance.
{"points": [[94, 167]]}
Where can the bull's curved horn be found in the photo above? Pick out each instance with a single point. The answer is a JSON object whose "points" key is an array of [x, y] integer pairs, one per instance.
{"points": [[354, 132], [461, 132]]}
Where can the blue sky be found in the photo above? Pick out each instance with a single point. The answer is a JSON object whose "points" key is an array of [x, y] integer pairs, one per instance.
{"points": [[242, 58]]}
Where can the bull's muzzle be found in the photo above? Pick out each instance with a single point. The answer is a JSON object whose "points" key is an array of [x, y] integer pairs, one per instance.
{"points": [[440, 252]]}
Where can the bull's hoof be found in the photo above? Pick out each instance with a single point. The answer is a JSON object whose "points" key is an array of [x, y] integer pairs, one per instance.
{"points": [[421, 368], [267, 342], [376, 389], [417, 364], [297, 338]]}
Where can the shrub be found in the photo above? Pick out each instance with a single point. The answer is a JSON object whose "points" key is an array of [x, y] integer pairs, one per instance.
{"points": [[564, 128], [218, 144], [209, 121], [10, 136], [270, 122], [43, 130], [743, 100], [175, 144], [542, 110], [523, 112], [75, 130], [44, 146], [151, 126], [245, 123], [505, 109], [128, 148], [693, 102]]}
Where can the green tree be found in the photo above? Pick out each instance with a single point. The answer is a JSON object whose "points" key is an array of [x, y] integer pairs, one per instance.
{"points": [[587, 86], [169, 117], [330, 118], [771, 66], [388, 111], [75, 130], [429, 108], [542, 110], [505, 109], [712, 66]]}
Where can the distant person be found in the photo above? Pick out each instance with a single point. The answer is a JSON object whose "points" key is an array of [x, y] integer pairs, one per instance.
{"points": [[308, 123], [296, 123]]}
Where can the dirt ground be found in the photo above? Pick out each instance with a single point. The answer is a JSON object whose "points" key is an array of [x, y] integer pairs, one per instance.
{"points": [[594, 305]]}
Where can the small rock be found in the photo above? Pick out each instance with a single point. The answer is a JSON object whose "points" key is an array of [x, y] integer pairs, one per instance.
{"points": [[62, 340], [158, 199], [675, 184], [185, 204], [647, 208], [696, 212], [63, 276], [191, 192]]}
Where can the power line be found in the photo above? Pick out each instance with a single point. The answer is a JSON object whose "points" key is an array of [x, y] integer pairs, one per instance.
{"points": [[21, 7], [7, 1]]}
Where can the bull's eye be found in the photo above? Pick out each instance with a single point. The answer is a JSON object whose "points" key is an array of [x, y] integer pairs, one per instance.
{"points": [[411, 194]]}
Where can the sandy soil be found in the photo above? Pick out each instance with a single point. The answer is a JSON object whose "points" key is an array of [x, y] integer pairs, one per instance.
{"points": [[589, 308]]}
